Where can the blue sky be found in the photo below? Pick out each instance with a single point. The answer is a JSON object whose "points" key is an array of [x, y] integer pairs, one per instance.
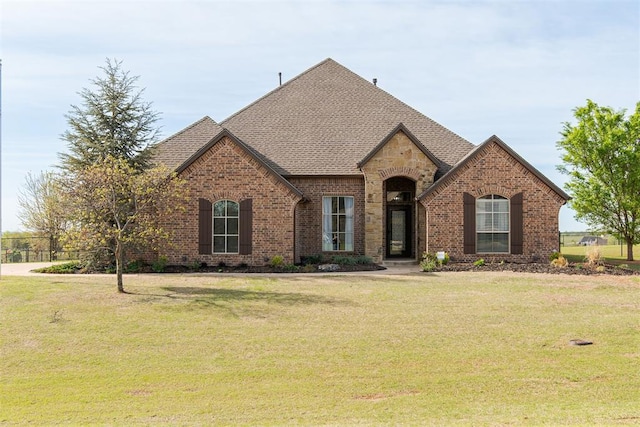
{"points": [[515, 69]]}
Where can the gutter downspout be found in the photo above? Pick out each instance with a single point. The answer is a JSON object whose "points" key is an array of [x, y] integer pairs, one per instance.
{"points": [[427, 230]]}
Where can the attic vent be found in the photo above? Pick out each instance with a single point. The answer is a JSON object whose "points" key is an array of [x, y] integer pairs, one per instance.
{"points": [[375, 81]]}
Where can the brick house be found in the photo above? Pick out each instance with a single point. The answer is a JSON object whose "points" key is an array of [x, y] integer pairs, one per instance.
{"points": [[329, 163]]}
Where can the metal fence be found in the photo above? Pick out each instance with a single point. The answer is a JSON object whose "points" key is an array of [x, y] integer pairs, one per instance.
{"points": [[33, 249]]}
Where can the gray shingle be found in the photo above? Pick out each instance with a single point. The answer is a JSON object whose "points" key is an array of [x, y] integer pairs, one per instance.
{"points": [[178, 148], [322, 122], [327, 119]]}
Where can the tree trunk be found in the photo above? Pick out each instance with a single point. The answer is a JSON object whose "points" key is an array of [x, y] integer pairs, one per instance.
{"points": [[629, 250], [119, 266]]}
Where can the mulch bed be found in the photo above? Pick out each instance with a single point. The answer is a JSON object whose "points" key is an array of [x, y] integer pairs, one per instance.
{"points": [[539, 268], [268, 269], [578, 269]]}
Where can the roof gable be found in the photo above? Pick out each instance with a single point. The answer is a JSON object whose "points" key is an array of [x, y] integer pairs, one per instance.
{"points": [[400, 128], [327, 119], [178, 148], [250, 152], [450, 176]]}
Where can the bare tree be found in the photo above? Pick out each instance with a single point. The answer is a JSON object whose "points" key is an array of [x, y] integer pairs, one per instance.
{"points": [[40, 209]]}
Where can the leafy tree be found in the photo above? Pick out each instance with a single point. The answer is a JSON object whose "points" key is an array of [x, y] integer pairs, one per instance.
{"points": [[601, 155], [40, 209], [114, 207], [113, 120]]}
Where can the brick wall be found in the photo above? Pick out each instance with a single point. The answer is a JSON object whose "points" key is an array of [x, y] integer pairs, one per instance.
{"points": [[493, 171], [309, 212], [227, 171]]}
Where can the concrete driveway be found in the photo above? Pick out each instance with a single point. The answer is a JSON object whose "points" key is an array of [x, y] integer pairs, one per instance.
{"points": [[22, 268]]}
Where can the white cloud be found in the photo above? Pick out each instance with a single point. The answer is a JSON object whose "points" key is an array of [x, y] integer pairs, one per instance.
{"points": [[515, 69]]}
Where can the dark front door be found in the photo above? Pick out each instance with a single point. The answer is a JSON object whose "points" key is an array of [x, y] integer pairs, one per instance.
{"points": [[399, 226]]}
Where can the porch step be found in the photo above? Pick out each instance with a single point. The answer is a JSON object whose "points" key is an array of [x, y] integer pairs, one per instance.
{"points": [[399, 262]]}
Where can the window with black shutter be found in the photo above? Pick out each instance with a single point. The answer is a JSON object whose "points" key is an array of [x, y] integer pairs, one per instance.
{"points": [[469, 223], [204, 226], [517, 227], [246, 226]]}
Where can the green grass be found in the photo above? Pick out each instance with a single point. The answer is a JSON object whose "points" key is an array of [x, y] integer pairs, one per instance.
{"points": [[611, 254], [423, 349]]}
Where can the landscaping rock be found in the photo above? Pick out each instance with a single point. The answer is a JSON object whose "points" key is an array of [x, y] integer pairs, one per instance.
{"points": [[539, 268], [328, 267]]}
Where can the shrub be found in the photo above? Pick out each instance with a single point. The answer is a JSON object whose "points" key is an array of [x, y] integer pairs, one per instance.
{"points": [[312, 259], [594, 256], [290, 268], [560, 262], [277, 261], [434, 257], [363, 260], [160, 264], [134, 266], [195, 265], [429, 256], [446, 259], [428, 264], [553, 256], [66, 268], [343, 260], [479, 263], [309, 268]]}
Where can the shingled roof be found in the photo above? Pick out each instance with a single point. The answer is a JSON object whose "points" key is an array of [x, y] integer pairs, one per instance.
{"points": [[178, 148], [323, 122]]}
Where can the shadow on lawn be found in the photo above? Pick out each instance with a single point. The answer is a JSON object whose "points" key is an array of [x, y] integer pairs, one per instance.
{"points": [[215, 296]]}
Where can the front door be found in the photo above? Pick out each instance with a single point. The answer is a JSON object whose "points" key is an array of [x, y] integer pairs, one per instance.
{"points": [[399, 226]]}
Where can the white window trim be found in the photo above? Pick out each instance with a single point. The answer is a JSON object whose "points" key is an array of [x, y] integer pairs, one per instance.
{"points": [[493, 232], [226, 235], [327, 217]]}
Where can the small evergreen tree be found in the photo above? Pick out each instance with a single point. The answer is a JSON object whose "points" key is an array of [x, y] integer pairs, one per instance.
{"points": [[115, 199], [113, 120]]}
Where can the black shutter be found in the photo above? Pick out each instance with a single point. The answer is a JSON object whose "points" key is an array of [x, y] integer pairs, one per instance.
{"points": [[469, 224], [517, 228], [205, 234], [246, 226]]}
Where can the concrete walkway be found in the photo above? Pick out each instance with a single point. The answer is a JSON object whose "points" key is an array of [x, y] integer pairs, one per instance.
{"points": [[22, 268], [25, 269]]}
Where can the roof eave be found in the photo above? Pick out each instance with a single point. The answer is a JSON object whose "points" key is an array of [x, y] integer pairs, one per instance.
{"points": [[473, 153], [412, 138], [245, 147]]}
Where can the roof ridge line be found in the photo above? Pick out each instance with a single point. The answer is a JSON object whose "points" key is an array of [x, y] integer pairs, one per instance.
{"points": [[278, 88], [192, 125], [417, 111]]}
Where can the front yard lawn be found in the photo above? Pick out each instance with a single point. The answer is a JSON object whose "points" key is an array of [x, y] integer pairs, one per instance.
{"points": [[479, 348]]}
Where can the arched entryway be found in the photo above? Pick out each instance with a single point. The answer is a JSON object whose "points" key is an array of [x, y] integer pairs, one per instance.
{"points": [[400, 217]]}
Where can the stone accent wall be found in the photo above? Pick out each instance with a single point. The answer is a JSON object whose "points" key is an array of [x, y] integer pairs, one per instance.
{"points": [[493, 171], [228, 171], [309, 212], [398, 157]]}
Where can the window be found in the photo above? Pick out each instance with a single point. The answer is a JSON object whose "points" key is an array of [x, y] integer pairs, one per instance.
{"points": [[233, 227], [492, 224], [225, 227], [337, 223]]}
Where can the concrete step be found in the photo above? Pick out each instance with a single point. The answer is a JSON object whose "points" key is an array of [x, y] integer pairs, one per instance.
{"points": [[399, 262]]}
